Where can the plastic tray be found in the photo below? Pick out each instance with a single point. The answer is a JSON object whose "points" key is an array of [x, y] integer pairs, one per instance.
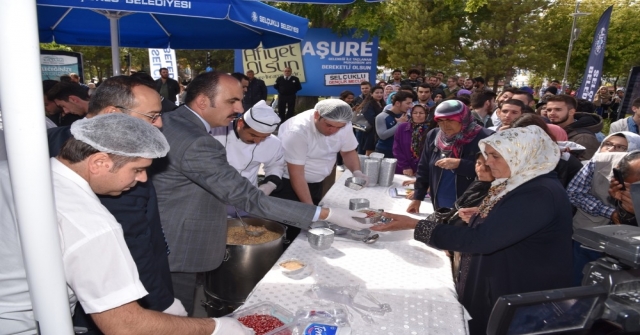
{"points": [[266, 308]]}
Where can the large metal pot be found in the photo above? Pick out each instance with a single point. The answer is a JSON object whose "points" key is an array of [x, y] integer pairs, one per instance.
{"points": [[227, 287]]}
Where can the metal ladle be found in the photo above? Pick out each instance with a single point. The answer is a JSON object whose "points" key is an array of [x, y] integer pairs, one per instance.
{"points": [[254, 233]]}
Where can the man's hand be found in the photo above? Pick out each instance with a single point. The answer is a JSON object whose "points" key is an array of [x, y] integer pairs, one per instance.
{"points": [[615, 217], [267, 187], [359, 174], [228, 325], [408, 172], [414, 207], [402, 119], [448, 163], [624, 196], [398, 222], [344, 217]]}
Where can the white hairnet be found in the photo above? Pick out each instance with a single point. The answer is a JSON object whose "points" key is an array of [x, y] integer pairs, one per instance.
{"points": [[121, 134], [334, 110]]}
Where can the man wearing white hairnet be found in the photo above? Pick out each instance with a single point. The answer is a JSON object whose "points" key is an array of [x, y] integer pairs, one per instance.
{"points": [[311, 141], [107, 155], [249, 143]]}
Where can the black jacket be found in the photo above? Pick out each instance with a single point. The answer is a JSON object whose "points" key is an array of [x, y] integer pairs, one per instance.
{"points": [[288, 87], [256, 91], [523, 245], [428, 174], [137, 211], [172, 86]]}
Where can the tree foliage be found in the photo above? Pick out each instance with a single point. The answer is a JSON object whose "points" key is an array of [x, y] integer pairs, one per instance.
{"points": [[620, 53]]}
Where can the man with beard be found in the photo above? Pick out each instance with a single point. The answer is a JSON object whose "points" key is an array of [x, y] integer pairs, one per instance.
{"points": [[580, 127], [468, 84], [167, 87]]}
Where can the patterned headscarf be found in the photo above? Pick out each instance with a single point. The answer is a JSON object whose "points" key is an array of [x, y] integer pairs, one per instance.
{"points": [[528, 151], [418, 135], [456, 110]]}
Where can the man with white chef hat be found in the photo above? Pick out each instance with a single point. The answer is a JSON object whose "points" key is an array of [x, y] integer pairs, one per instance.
{"points": [[249, 143]]}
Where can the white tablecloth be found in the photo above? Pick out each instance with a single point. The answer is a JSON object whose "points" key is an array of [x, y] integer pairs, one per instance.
{"points": [[413, 278]]}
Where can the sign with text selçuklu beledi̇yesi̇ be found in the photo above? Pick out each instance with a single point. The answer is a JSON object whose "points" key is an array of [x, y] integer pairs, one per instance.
{"points": [[54, 64], [326, 63]]}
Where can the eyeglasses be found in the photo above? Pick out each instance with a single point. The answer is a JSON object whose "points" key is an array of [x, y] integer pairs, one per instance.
{"points": [[153, 117], [617, 147]]}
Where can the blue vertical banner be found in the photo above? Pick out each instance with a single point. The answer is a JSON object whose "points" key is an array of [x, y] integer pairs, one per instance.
{"points": [[326, 63], [593, 72]]}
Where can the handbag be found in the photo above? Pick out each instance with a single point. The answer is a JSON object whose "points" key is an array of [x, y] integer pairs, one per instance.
{"points": [[358, 121]]}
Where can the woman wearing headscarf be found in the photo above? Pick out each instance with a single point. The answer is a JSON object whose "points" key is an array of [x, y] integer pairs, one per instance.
{"points": [[446, 166], [520, 239], [569, 165], [387, 91], [602, 100], [589, 192], [409, 140]]}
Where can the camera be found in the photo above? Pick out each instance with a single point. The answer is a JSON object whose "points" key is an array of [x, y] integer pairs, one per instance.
{"points": [[610, 291]]}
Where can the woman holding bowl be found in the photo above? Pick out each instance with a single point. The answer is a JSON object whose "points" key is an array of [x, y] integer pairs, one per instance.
{"points": [[447, 163], [519, 240]]}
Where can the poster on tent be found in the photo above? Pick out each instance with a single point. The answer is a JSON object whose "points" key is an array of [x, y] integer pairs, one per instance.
{"points": [[163, 58], [54, 64], [326, 63]]}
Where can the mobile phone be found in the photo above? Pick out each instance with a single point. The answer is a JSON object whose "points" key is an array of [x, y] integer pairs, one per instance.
{"points": [[617, 174]]}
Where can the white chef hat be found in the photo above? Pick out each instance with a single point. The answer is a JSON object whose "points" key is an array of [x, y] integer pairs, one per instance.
{"points": [[261, 118]]}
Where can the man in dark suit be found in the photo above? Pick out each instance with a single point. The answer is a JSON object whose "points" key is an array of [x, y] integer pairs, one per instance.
{"points": [[167, 87], [195, 183], [137, 209], [287, 87], [256, 91]]}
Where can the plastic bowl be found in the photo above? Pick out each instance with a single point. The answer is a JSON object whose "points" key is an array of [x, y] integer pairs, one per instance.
{"points": [[292, 266]]}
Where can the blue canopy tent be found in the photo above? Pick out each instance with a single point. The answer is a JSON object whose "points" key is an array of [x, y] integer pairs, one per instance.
{"points": [[322, 2], [195, 24]]}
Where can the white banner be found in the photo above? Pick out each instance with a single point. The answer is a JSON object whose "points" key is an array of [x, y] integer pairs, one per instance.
{"points": [[159, 58], [345, 78]]}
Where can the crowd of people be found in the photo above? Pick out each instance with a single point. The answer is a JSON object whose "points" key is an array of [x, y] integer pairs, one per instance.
{"points": [[509, 177]]}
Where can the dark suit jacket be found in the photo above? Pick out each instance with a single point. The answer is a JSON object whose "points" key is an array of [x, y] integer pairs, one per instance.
{"points": [[168, 105], [137, 211], [194, 183], [256, 91], [173, 87], [287, 87]]}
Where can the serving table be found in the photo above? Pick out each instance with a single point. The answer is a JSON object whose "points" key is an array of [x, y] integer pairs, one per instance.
{"points": [[413, 278]]}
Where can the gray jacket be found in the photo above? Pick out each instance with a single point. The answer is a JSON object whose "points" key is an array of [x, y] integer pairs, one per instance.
{"points": [[194, 183]]}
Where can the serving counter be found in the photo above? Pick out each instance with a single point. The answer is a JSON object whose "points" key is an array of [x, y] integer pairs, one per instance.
{"points": [[413, 278]]}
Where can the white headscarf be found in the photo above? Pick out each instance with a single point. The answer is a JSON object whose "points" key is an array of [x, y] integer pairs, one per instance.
{"points": [[528, 151], [633, 140]]}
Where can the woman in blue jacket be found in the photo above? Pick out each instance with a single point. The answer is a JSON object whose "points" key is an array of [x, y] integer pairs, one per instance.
{"points": [[447, 164]]}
